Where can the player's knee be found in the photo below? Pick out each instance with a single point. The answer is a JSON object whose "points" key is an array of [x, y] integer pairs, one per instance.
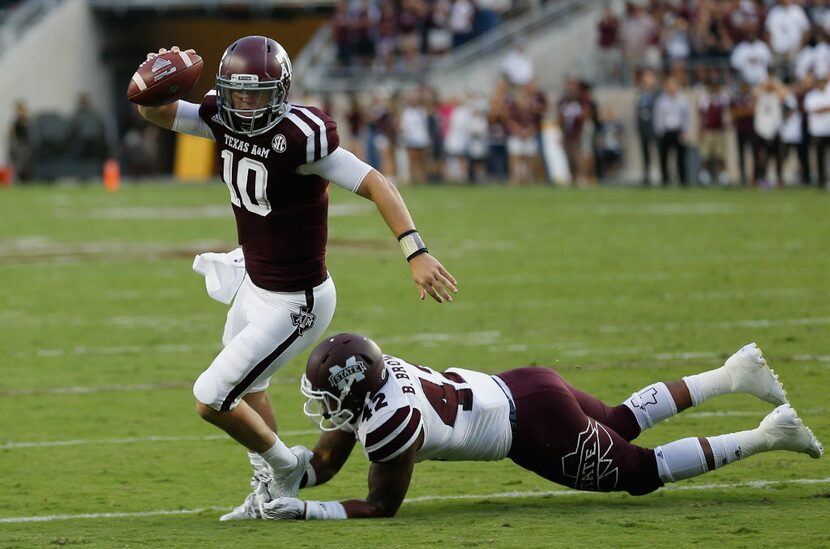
{"points": [[205, 412], [206, 392]]}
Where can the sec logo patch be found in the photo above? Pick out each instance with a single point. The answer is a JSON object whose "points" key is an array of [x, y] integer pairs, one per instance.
{"points": [[279, 143]]}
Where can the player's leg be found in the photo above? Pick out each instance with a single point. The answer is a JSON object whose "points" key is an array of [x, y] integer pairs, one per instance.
{"points": [[619, 418], [555, 439], [280, 327], [746, 371], [782, 429], [582, 453]]}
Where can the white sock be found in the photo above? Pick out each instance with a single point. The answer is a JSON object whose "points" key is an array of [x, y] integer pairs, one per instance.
{"points": [[725, 449], [685, 458], [279, 457], [709, 384], [680, 459], [651, 405]]}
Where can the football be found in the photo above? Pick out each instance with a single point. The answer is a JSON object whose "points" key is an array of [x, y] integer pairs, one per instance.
{"points": [[164, 78]]}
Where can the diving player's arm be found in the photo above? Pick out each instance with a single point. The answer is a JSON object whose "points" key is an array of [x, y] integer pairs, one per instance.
{"points": [[330, 453], [388, 484], [344, 169]]}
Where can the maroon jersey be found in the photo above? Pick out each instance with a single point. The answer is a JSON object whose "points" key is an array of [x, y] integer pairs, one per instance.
{"points": [[281, 216], [712, 108]]}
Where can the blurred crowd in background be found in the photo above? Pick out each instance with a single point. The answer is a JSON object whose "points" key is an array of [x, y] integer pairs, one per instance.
{"points": [[719, 92], [401, 35]]}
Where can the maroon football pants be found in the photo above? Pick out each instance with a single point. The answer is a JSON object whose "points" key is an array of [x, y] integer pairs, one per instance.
{"points": [[574, 439]]}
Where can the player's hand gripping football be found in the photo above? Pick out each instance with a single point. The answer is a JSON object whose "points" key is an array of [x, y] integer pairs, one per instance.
{"points": [[283, 509], [432, 278], [174, 49]]}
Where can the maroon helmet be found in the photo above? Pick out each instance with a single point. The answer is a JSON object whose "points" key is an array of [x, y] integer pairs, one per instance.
{"points": [[252, 85], [341, 374]]}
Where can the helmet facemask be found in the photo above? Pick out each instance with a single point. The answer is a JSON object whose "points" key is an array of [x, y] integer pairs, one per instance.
{"points": [[328, 410], [267, 98]]}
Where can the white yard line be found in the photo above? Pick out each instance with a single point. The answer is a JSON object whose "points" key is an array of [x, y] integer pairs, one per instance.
{"points": [[422, 499]]}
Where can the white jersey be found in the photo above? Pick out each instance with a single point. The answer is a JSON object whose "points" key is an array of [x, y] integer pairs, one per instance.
{"points": [[464, 415]]}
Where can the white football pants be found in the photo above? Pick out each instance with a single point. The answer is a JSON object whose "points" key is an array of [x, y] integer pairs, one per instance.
{"points": [[263, 331]]}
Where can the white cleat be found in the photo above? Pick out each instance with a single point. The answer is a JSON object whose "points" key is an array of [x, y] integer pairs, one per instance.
{"points": [[750, 373], [249, 509], [784, 430], [289, 485]]}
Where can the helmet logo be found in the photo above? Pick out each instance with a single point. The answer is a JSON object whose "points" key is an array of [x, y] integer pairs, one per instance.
{"points": [[344, 377], [279, 143]]}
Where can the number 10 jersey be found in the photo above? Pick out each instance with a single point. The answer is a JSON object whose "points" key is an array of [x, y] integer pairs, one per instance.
{"points": [[464, 415], [281, 215]]}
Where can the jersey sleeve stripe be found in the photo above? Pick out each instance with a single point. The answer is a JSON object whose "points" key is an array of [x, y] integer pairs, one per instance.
{"points": [[324, 142], [397, 420], [400, 443], [307, 131]]}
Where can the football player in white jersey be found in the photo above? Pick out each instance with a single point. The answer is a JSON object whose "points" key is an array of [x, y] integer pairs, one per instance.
{"points": [[277, 160], [403, 413]]}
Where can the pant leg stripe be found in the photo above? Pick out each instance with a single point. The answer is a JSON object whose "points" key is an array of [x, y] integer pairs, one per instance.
{"points": [[264, 363]]}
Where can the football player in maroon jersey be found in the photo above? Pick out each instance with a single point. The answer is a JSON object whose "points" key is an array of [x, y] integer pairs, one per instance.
{"points": [[277, 159], [403, 413]]}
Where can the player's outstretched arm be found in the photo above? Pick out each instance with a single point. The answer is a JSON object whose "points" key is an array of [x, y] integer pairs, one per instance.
{"points": [[165, 115], [388, 483], [331, 452], [427, 272]]}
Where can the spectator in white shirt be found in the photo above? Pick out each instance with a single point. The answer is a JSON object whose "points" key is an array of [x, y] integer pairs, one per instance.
{"points": [[817, 107], [771, 98], [813, 58], [414, 128], [517, 66], [786, 24], [461, 21], [671, 126], [752, 58]]}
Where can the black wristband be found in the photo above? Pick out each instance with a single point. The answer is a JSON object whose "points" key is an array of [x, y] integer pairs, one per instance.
{"points": [[406, 233], [417, 253]]}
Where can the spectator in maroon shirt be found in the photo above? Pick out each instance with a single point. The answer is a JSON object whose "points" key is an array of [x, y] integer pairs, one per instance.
{"points": [[387, 34], [742, 111], [411, 20], [712, 107], [341, 31], [609, 56], [365, 20]]}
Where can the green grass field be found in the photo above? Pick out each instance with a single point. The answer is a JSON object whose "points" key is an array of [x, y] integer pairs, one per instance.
{"points": [[104, 327]]}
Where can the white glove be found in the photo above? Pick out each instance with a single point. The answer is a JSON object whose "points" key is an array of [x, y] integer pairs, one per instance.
{"points": [[297, 509], [283, 509]]}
